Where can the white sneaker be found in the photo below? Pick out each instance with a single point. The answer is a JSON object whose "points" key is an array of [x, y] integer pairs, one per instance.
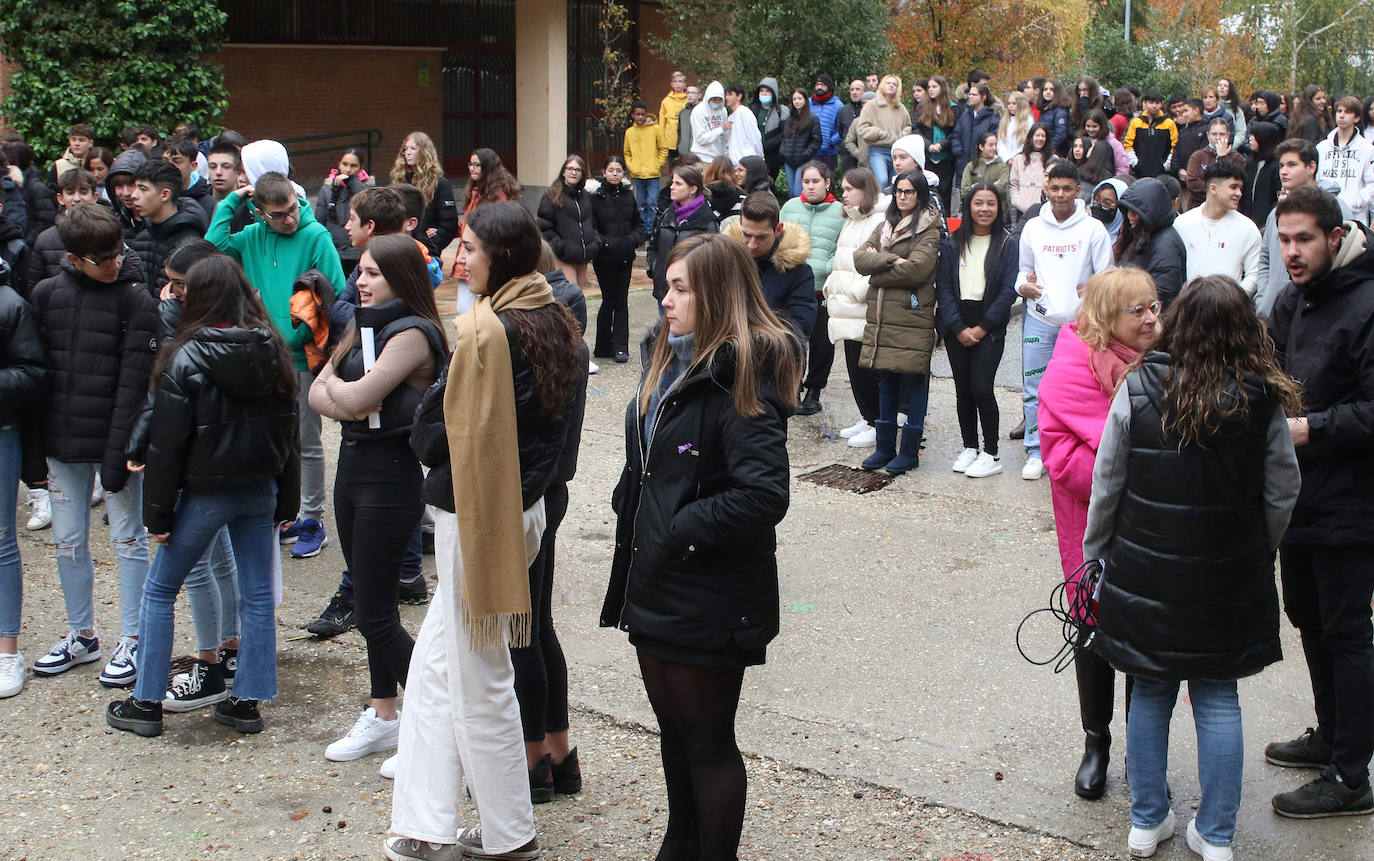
{"points": [[592, 367], [965, 459], [866, 438], [369, 735], [1033, 469], [97, 492], [901, 419], [984, 466], [40, 508], [66, 653], [854, 430], [388, 769], [122, 670], [1208, 851], [1144, 841], [13, 672]]}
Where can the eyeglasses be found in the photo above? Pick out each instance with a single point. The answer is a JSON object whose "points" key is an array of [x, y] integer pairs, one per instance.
{"points": [[274, 217], [572, 167], [903, 192], [1139, 310], [102, 259]]}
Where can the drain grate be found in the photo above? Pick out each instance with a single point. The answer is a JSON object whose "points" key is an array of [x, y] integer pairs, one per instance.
{"points": [[842, 477]]}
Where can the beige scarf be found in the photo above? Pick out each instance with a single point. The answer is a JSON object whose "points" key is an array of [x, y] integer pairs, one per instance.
{"points": [[479, 415]]}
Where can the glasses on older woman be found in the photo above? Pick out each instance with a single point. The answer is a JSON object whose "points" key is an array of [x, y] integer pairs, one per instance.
{"points": [[1139, 310]]}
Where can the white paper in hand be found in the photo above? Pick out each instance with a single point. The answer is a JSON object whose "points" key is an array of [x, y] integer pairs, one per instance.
{"points": [[374, 420]]}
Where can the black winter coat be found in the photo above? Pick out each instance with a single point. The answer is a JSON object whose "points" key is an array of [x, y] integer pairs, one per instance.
{"points": [[23, 380], [970, 128], [569, 294], [667, 233], [696, 514], [203, 199], [617, 222], [16, 253], [993, 311], [100, 340], [1168, 258], [156, 242], [541, 439], [1188, 585], [1324, 336], [40, 202], [1261, 190], [442, 215], [46, 256], [801, 145], [218, 421], [16, 209], [571, 227]]}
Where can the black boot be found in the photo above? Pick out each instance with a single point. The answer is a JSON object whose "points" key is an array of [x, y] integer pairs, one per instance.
{"points": [[811, 404], [886, 448], [1096, 681], [910, 455], [1018, 432]]}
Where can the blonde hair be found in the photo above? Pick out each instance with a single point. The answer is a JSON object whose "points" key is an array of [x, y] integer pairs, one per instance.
{"points": [[897, 96], [1018, 119], [425, 175], [1106, 293]]}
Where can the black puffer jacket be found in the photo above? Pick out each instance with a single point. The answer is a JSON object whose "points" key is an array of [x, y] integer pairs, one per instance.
{"points": [[442, 215], [15, 207], [696, 513], [219, 421], [40, 202], [1168, 258], [569, 294], [571, 227], [156, 242], [1324, 335], [100, 340], [617, 222], [15, 252], [1188, 590], [669, 232], [800, 145], [203, 199], [23, 379], [541, 439], [46, 256]]}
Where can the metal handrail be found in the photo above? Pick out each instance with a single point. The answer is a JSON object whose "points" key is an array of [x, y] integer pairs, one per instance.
{"points": [[372, 138]]}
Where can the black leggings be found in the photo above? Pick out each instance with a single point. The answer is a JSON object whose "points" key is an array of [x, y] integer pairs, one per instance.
{"points": [[975, 373], [541, 673], [863, 382], [613, 319], [822, 353], [376, 510], [702, 766]]}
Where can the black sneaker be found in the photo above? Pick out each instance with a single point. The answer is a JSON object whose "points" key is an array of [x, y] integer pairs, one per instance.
{"points": [[336, 618], [1323, 797], [200, 686], [135, 716], [541, 781], [413, 592], [228, 665], [567, 775], [1308, 750], [242, 715]]}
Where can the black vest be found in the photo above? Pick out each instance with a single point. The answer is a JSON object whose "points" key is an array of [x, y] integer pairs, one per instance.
{"points": [[398, 408], [1188, 587]]}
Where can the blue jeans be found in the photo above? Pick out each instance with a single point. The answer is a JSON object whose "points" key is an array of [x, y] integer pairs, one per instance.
{"points": [[247, 511], [69, 487], [11, 572], [213, 590], [793, 180], [1220, 755], [891, 387], [646, 192], [1037, 346], [880, 162]]}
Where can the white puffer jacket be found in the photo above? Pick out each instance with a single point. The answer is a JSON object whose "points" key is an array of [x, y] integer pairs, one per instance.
{"points": [[846, 291]]}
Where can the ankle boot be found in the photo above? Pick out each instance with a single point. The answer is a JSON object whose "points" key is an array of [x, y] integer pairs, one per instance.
{"points": [[909, 457], [886, 450], [811, 404], [1095, 688]]}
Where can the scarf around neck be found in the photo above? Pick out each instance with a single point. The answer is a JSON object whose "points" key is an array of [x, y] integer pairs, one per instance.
{"points": [[681, 212], [1109, 365], [479, 418]]}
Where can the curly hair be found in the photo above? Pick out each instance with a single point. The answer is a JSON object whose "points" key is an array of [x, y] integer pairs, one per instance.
{"points": [[1215, 339], [425, 175], [548, 340]]}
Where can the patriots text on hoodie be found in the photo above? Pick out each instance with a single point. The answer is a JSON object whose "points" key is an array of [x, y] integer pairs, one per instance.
{"points": [[1063, 255]]}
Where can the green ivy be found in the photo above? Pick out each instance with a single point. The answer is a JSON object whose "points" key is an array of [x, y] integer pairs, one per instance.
{"points": [[110, 65]]}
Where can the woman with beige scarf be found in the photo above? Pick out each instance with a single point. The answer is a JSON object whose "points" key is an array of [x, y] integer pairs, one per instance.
{"points": [[491, 440]]}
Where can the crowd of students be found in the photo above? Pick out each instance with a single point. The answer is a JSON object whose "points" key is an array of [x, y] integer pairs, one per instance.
{"points": [[201, 266]]}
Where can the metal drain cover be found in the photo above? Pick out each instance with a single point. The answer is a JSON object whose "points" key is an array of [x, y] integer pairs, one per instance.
{"points": [[842, 477]]}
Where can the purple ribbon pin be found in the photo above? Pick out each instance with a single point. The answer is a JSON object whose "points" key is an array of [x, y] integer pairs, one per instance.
{"points": [[684, 448]]}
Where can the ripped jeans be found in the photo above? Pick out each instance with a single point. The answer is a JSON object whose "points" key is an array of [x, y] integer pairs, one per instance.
{"points": [[70, 486]]}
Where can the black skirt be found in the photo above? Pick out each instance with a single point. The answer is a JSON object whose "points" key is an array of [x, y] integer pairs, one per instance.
{"points": [[728, 657]]}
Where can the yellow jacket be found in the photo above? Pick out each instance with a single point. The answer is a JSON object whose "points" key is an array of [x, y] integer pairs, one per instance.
{"points": [[671, 106], [644, 149]]}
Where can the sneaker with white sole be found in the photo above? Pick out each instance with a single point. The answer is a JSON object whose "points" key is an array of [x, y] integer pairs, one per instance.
{"points": [[311, 539], [1033, 469], [388, 768], [122, 670], [97, 492], [854, 430], [40, 510], [1208, 851], [592, 367], [1144, 841], [470, 839], [69, 651], [965, 459], [984, 465], [410, 849], [202, 685], [13, 672], [866, 438], [369, 734]]}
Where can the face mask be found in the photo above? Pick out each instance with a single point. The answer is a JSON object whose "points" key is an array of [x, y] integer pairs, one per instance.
{"points": [[1084, 103], [1104, 214], [765, 98]]}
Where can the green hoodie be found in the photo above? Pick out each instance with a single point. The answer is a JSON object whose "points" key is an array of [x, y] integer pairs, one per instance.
{"points": [[273, 262]]}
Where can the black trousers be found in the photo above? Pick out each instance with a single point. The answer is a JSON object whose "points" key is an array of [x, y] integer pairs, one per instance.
{"points": [[945, 171], [541, 672], [377, 508], [613, 320], [1326, 594], [862, 381], [821, 354], [975, 373]]}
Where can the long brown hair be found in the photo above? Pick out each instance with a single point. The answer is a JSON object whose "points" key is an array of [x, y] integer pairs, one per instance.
{"points": [[938, 112], [1215, 339], [548, 340], [731, 311], [402, 264], [555, 192], [494, 178], [427, 171]]}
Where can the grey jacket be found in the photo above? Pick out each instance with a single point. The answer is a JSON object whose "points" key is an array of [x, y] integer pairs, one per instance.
{"points": [[1273, 276]]}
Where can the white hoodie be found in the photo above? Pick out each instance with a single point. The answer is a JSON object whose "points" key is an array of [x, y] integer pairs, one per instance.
{"points": [[1352, 168], [709, 138], [744, 137], [1063, 255]]}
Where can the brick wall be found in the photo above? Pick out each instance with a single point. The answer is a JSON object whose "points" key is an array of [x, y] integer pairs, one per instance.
{"points": [[654, 70], [290, 91]]}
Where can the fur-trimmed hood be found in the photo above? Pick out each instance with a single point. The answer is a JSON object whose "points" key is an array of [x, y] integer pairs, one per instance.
{"points": [[791, 248]]}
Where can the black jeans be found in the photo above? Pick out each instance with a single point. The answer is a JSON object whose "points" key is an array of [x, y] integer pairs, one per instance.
{"points": [[1326, 594], [862, 381], [541, 672], [975, 373], [821, 354], [412, 566], [377, 508], [613, 320]]}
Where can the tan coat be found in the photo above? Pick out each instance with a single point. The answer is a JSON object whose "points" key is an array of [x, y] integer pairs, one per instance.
{"points": [[899, 331], [881, 123]]}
